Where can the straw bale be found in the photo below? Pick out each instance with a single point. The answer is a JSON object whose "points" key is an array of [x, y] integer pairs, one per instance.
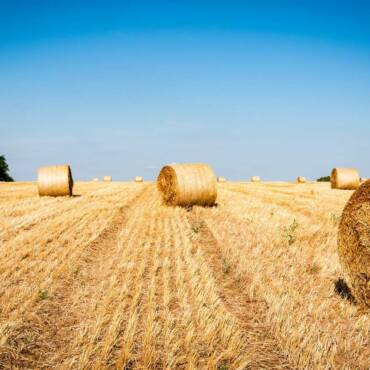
{"points": [[344, 178], [187, 184], [55, 181], [354, 243]]}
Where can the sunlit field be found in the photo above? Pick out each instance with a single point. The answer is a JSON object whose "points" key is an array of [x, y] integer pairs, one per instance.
{"points": [[111, 278]]}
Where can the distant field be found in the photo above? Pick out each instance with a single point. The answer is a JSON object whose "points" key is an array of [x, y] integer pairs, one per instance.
{"points": [[110, 278]]}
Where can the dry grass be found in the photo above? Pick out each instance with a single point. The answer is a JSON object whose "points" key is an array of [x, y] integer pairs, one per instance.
{"points": [[114, 279]]}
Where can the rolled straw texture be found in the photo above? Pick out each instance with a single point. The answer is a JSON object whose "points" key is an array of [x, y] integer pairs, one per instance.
{"points": [[344, 178], [354, 243], [138, 179], [107, 178], [55, 181], [187, 184], [301, 180]]}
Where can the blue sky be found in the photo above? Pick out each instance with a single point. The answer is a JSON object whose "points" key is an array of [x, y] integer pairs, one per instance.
{"points": [[270, 88]]}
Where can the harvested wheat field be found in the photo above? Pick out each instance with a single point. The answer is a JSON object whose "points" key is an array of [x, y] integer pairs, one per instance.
{"points": [[111, 278]]}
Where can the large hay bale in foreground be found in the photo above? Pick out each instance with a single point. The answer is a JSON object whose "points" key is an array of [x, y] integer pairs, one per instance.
{"points": [[107, 178], [354, 243], [138, 179], [221, 179], [255, 179], [55, 181], [301, 180], [344, 178], [187, 184]]}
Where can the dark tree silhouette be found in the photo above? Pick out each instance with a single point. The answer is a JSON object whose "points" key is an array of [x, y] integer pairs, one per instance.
{"points": [[4, 170], [324, 179]]}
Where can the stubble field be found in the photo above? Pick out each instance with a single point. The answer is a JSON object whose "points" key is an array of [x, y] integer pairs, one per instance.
{"points": [[111, 278]]}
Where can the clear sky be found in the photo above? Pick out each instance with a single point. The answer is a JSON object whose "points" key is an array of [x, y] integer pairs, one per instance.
{"points": [[269, 88]]}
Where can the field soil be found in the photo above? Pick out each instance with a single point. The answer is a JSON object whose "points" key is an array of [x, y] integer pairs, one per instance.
{"points": [[112, 279]]}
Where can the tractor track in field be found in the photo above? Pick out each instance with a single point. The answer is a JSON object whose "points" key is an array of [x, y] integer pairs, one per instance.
{"points": [[250, 312], [42, 334]]}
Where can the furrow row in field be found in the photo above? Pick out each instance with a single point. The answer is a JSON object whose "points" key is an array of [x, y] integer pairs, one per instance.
{"points": [[47, 208], [250, 311], [119, 297], [301, 193], [16, 191], [165, 311], [172, 323], [291, 268], [48, 259], [315, 209], [214, 338]]}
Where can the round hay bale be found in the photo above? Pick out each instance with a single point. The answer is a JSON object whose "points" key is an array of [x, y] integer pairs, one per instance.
{"points": [[221, 179], [344, 178], [354, 243], [95, 179], [138, 179], [187, 184], [55, 181], [301, 180], [255, 179], [107, 178]]}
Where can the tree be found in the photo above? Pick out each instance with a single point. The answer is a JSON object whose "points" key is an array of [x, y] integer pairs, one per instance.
{"points": [[4, 170], [324, 179]]}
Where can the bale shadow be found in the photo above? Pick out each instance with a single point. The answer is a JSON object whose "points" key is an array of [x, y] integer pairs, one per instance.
{"points": [[343, 290], [190, 208], [215, 205]]}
